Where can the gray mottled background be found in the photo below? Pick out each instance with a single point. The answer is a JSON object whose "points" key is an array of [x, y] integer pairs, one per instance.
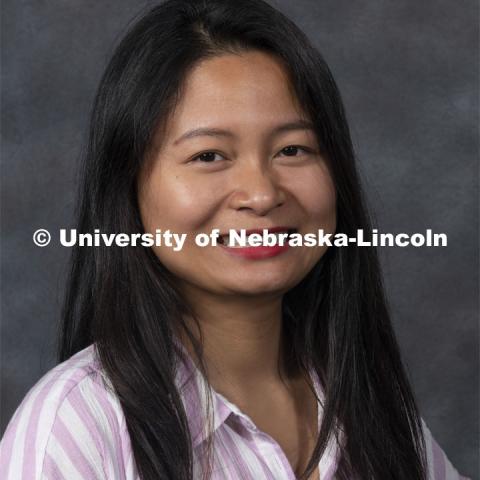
{"points": [[408, 71]]}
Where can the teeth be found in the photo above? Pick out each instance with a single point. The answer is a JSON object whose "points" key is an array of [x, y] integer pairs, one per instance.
{"points": [[232, 243]]}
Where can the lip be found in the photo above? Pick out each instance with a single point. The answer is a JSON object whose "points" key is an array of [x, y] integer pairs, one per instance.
{"points": [[256, 253], [260, 230]]}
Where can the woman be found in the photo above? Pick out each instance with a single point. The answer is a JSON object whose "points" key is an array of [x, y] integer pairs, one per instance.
{"points": [[222, 362]]}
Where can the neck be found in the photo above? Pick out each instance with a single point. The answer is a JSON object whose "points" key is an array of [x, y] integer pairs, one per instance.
{"points": [[242, 339]]}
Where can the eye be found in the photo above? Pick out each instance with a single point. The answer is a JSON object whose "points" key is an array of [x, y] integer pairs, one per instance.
{"points": [[207, 157], [292, 150]]}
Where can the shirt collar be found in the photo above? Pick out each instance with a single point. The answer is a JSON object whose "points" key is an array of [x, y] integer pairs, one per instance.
{"points": [[194, 391]]}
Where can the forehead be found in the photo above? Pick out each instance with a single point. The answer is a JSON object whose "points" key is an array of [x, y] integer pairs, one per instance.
{"points": [[250, 88]]}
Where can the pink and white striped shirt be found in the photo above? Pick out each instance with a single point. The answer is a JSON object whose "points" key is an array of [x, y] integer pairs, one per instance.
{"points": [[70, 426]]}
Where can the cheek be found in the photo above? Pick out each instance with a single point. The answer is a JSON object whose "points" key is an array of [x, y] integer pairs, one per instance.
{"points": [[315, 192], [171, 201]]}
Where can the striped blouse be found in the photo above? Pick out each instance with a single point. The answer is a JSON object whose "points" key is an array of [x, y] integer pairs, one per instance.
{"points": [[70, 426]]}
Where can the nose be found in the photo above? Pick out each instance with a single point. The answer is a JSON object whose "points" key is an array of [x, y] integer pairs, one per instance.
{"points": [[256, 189]]}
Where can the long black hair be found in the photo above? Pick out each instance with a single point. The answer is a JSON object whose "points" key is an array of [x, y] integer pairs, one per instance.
{"points": [[126, 302]]}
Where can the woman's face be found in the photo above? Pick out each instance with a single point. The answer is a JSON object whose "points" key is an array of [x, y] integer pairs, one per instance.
{"points": [[244, 174]]}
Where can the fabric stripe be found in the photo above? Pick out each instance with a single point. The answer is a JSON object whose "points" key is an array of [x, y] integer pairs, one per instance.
{"points": [[439, 466], [438, 462], [328, 475], [247, 464], [73, 449], [266, 471], [84, 421], [34, 419], [103, 408], [228, 452], [429, 452], [52, 396], [60, 465], [70, 426], [450, 472], [91, 461]]}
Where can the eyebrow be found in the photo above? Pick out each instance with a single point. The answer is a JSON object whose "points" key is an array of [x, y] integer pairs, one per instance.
{"points": [[218, 132]]}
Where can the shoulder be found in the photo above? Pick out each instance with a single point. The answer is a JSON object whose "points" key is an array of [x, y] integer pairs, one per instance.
{"points": [[69, 425], [439, 466]]}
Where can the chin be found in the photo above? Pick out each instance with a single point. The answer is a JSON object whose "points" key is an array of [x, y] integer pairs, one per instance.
{"points": [[259, 286]]}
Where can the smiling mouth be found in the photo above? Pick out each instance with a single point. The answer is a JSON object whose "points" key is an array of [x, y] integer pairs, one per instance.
{"points": [[282, 235]]}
